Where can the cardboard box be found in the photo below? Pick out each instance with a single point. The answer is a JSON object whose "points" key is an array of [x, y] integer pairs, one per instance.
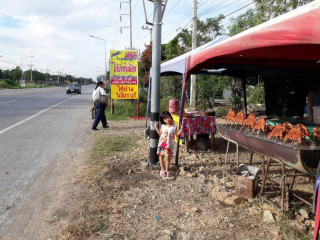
{"points": [[246, 181]]}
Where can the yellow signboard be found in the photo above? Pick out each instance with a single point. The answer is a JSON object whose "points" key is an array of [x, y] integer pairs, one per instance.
{"points": [[124, 74]]}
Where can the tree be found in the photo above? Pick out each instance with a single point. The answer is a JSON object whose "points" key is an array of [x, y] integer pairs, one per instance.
{"points": [[209, 30], [172, 49], [145, 65], [209, 86], [264, 10], [16, 74], [171, 86], [182, 43]]}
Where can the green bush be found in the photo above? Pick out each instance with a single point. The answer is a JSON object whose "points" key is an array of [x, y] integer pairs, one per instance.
{"points": [[236, 102], [164, 104], [221, 111], [11, 84], [6, 83], [124, 109], [256, 94]]}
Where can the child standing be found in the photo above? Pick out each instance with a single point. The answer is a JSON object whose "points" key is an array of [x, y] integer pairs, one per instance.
{"points": [[166, 146]]}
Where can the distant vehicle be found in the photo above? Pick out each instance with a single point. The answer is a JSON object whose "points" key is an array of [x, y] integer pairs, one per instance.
{"points": [[73, 88]]}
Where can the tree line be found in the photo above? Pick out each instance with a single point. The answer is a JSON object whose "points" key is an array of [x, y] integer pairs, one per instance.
{"points": [[208, 30], [40, 77]]}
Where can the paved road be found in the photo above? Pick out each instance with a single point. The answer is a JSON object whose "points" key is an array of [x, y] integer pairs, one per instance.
{"points": [[36, 125]]}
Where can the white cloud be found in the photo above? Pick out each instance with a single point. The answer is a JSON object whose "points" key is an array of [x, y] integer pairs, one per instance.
{"points": [[57, 32]]}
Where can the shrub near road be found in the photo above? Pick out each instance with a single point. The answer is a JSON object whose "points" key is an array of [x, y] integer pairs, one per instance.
{"points": [[8, 84]]}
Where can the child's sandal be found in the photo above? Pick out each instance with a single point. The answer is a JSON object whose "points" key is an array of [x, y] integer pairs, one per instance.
{"points": [[169, 175], [163, 173]]}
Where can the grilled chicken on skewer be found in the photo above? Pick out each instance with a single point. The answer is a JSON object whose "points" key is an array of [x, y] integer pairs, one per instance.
{"points": [[260, 125]]}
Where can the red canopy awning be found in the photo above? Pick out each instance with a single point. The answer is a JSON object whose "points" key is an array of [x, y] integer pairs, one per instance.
{"points": [[289, 42]]}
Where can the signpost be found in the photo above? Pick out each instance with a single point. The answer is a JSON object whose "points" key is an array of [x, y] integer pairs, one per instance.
{"points": [[124, 74], [22, 82]]}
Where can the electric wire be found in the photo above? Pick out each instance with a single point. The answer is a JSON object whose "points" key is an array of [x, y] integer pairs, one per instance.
{"points": [[142, 37], [211, 10], [229, 14], [184, 18], [168, 12], [218, 7]]}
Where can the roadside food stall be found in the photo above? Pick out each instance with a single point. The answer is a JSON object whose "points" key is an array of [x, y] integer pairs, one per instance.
{"points": [[285, 52]]}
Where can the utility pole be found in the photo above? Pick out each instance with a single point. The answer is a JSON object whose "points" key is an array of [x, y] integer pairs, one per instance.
{"points": [[130, 16], [150, 29], [59, 78], [194, 45], [155, 80], [31, 73], [47, 70]]}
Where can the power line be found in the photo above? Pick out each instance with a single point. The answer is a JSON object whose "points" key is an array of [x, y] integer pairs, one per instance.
{"points": [[219, 8], [225, 15], [143, 35], [183, 19], [172, 8], [239, 9]]}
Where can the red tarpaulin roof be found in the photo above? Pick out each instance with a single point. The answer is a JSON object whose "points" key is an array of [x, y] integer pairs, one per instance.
{"points": [[289, 42]]}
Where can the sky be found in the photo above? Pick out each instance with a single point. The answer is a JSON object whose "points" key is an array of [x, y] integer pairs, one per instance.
{"points": [[53, 36]]}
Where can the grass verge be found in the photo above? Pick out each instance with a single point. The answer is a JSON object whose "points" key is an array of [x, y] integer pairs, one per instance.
{"points": [[90, 217], [105, 145]]}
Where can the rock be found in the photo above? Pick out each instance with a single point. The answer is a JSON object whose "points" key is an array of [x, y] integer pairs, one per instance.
{"points": [[230, 185], [233, 200], [300, 218], [255, 211], [300, 227], [223, 180], [192, 157], [201, 175], [202, 168], [220, 196], [271, 208], [309, 223], [213, 179], [168, 234], [276, 234], [182, 172], [195, 210], [267, 216], [304, 213], [192, 175]]}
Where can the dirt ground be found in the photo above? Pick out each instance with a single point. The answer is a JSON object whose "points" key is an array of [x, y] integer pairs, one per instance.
{"points": [[118, 197]]}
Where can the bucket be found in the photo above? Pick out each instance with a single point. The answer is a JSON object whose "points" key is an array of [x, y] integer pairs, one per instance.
{"points": [[247, 180], [173, 105]]}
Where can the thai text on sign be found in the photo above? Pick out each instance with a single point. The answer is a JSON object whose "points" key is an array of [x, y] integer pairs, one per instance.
{"points": [[124, 74]]}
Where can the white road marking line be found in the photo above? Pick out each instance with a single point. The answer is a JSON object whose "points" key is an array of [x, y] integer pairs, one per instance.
{"points": [[9, 102], [33, 116]]}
